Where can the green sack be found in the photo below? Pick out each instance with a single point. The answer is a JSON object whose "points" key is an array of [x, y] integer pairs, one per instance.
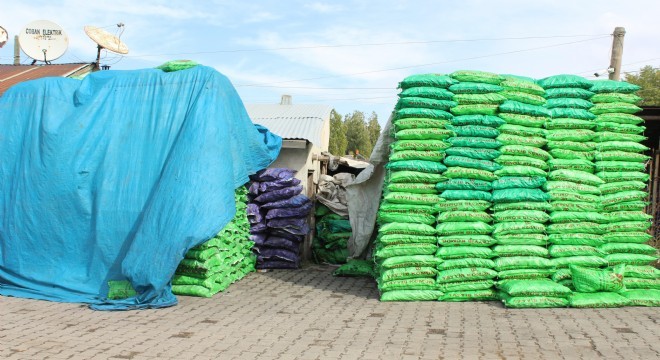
{"points": [[515, 107], [464, 184], [564, 81], [423, 113], [521, 274], [418, 188], [571, 186], [637, 237], [512, 160], [578, 135], [571, 154], [474, 109], [617, 176], [573, 103], [593, 240], [520, 130], [521, 215], [572, 113], [556, 195], [120, 289], [408, 284], [524, 120], [458, 216], [482, 120], [406, 229], [615, 155], [543, 287], [427, 80], [613, 86], [620, 118], [193, 290], [626, 206], [458, 172], [572, 145], [465, 274], [518, 195], [424, 145], [411, 198], [464, 252], [533, 141], [568, 92], [470, 295], [562, 217], [406, 155], [515, 84], [474, 88], [466, 240], [597, 300], [474, 131], [415, 177], [405, 250], [617, 136], [466, 286], [625, 129], [520, 250], [625, 146], [421, 102], [177, 65], [642, 272], [355, 268], [573, 228], [411, 295], [534, 302], [522, 262], [616, 107], [427, 92], [521, 150], [629, 259], [430, 167], [585, 261], [573, 164], [518, 227], [523, 97], [396, 239], [626, 226], [561, 274], [574, 206], [575, 176], [618, 216], [524, 205], [424, 134], [410, 261], [522, 239], [569, 123], [474, 153], [623, 196], [612, 248], [418, 123], [634, 283], [646, 297], [385, 217], [467, 162], [512, 182], [408, 273], [472, 142], [463, 205], [477, 77], [473, 99], [520, 171], [559, 251], [466, 263], [464, 228], [465, 195]]}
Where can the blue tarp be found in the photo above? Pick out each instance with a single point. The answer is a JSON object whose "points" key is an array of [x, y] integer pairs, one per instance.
{"points": [[116, 177]]}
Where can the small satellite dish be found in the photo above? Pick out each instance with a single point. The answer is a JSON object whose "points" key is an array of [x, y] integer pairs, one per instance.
{"points": [[105, 40], [3, 36], [43, 40]]}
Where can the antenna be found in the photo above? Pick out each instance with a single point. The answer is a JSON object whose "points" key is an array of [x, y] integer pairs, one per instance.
{"points": [[105, 40], [43, 40], [3, 36]]}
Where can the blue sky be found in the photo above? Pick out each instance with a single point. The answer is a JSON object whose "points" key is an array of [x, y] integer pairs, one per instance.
{"points": [[352, 54]]}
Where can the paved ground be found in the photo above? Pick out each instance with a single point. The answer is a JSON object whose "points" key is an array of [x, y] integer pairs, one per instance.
{"points": [[311, 315]]}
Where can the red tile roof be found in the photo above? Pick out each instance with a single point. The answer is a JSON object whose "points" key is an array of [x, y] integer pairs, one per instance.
{"points": [[14, 74]]}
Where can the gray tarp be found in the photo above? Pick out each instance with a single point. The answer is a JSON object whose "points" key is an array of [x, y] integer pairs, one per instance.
{"points": [[332, 192]]}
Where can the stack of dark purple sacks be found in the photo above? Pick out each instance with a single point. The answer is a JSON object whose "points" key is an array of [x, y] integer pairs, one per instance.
{"points": [[278, 218]]}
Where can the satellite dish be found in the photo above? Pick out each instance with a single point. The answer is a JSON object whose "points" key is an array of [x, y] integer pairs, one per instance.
{"points": [[3, 36], [43, 40], [105, 40]]}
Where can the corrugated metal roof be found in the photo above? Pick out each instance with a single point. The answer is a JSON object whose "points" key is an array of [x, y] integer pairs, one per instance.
{"points": [[14, 74], [298, 121]]}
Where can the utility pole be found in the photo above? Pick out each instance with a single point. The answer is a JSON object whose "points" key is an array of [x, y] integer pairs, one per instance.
{"points": [[17, 51], [617, 53]]}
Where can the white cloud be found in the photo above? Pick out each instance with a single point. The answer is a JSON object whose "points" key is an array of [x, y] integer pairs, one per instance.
{"points": [[324, 8]]}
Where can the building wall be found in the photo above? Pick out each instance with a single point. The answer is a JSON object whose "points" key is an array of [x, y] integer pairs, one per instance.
{"points": [[296, 159]]}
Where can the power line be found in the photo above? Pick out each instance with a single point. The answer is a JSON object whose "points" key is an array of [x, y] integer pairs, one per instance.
{"points": [[424, 65], [630, 63]]}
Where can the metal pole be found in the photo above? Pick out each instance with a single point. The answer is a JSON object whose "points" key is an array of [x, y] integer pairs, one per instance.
{"points": [[617, 53]]}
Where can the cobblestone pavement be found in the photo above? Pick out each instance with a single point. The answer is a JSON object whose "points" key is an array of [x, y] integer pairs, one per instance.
{"points": [[309, 314]]}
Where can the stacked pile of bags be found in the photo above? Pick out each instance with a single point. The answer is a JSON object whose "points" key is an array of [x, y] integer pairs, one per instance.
{"points": [[521, 203], [330, 245], [406, 243], [464, 227], [277, 212], [214, 265]]}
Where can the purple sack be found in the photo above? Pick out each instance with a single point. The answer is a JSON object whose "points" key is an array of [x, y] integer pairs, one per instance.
{"points": [[287, 223], [254, 188], [301, 211], [258, 239], [254, 213], [278, 254], [277, 264], [280, 194], [258, 228], [273, 174], [278, 242], [287, 235], [277, 184], [296, 201]]}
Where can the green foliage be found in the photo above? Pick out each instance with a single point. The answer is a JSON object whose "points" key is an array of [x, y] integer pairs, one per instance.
{"points": [[357, 134], [338, 142], [648, 79], [373, 127]]}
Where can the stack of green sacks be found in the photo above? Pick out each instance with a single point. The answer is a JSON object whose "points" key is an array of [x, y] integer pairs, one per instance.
{"points": [[621, 164], [574, 228], [464, 227], [330, 245], [597, 288], [406, 242], [214, 265]]}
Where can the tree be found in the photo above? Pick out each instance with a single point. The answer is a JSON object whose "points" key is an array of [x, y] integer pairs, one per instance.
{"points": [[357, 135], [338, 143], [649, 80], [373, 127]]}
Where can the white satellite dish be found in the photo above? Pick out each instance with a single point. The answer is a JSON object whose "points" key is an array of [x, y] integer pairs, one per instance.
{"points": [[105, 40], [3, 36], [43, 40]]}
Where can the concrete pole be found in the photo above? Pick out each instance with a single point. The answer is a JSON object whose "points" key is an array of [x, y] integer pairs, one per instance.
{"points": [[17, 51], [617, 53]]}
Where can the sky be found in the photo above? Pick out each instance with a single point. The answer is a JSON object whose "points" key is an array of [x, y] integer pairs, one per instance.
{"points": [[351, 54]]}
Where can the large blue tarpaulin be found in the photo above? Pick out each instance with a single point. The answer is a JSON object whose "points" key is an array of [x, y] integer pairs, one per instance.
{"points": [[116, 177]]}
